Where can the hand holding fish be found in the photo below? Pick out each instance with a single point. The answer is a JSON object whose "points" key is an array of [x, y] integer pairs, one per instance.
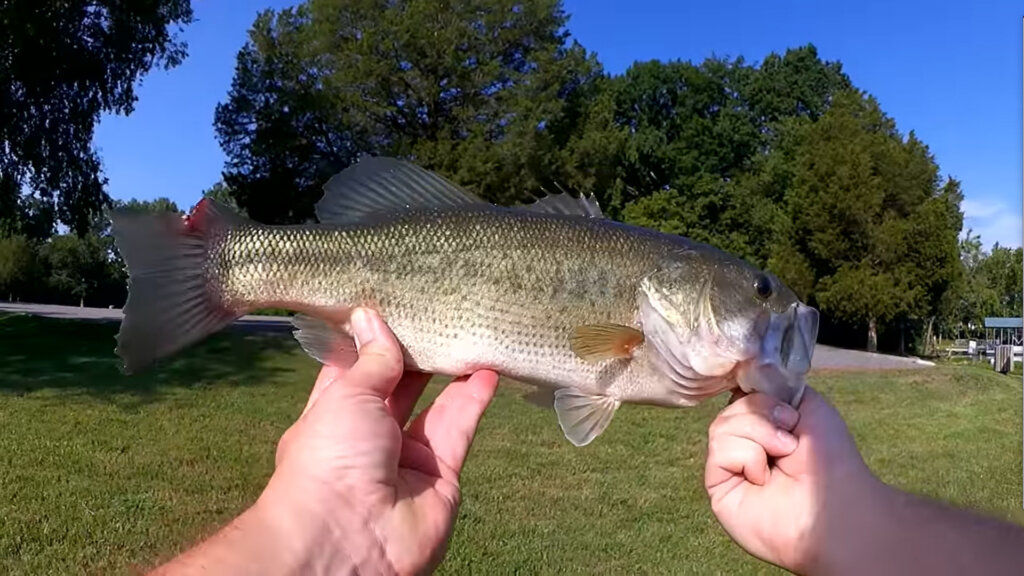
{"points": [[781, 482], [354, 488], [807, 501]]}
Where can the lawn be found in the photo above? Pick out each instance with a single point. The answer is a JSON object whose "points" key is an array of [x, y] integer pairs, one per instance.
{"points": [[102, 473]]}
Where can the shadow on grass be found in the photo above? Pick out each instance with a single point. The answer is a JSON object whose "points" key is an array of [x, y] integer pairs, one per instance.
{"points": [[77, 357]]}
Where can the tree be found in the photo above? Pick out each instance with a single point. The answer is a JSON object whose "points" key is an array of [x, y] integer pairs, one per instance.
{"points": [[62, 65], [869, 219], [483, 91], [223, 194], [1001, 274], [18, 262], [78, 265], [700, 136], [161, 204]]}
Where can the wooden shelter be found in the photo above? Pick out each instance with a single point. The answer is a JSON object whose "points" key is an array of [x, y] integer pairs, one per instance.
{"points": [[1007, 331]]}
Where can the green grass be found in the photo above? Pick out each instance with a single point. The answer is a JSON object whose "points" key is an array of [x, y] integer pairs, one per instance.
{"points": [[102, 473]]}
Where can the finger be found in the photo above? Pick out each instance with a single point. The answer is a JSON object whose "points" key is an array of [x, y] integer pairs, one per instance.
{"points": [[730, 456], [782, 414], [448, 425], [754, 427], [328, 374], [380, 362], [408, 391]]}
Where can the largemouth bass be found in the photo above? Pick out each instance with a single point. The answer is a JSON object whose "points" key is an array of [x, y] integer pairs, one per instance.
{"points": [[549, 293]]}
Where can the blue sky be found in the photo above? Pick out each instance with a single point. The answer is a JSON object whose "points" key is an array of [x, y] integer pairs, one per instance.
{"points": [[951, 73]]}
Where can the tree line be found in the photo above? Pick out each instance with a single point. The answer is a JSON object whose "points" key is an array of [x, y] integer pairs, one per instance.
{"points": [[784, 162]]}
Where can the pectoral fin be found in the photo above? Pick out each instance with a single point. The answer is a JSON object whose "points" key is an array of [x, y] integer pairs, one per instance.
{"points": [[324, 342], [583, 417], [595, 342]]}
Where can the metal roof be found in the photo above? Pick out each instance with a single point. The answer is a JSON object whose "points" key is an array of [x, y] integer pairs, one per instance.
{"points": [[1004, 323]]}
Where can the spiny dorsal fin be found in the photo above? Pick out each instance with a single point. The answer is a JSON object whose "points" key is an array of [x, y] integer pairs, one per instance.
{"points": [[596, 342], [565, 204], [378, 184]]}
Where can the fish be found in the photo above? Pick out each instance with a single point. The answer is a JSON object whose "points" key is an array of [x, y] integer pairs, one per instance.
{"points": [[592, 312]]}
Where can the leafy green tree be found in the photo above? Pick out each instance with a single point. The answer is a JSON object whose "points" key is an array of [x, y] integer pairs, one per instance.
{"points": [[78, 265], [481, 91], [162, 204], [62, 65], [18, 266], [1001, 273], [699, 137], [973, 298], [223, 194], [869, 218]]}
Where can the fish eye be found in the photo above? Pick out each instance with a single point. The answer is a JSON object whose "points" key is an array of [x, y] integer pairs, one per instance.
{"points": [[763, 287]]}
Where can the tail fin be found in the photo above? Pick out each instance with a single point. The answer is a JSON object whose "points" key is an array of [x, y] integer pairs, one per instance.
{"points": [[170, 305]]}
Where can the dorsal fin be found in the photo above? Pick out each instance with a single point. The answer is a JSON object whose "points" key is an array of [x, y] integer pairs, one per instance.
{"points": [[379, 184], [565, 204]]}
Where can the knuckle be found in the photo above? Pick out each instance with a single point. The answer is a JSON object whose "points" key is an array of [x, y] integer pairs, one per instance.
{"points": [[282, 446], [715, 429], [388, 362], [714, 447]]}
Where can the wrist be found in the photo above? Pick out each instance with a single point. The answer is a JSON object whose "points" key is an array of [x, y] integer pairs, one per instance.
{"points": [[310, 536], [267, 538], [854, 528]]}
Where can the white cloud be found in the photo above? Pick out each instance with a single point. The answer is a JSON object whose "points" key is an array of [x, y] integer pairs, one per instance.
{"points": [[993, 221], [975, 209]]}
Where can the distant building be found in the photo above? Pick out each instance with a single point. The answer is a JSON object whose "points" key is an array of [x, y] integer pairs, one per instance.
{"points": [[1005, 331]]}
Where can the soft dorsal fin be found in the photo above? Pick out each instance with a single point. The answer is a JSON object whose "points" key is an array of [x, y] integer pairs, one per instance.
{"points": [[378, 184], [565, 204]]}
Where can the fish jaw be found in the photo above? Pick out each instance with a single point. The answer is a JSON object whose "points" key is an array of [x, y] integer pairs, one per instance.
{"points": [[787, 348]]}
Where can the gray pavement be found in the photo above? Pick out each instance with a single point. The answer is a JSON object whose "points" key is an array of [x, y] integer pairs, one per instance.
{"points": [[825, 357], [250, 322]]}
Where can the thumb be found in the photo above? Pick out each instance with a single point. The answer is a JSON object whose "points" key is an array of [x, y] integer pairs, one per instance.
{"points": [[380, 364]]}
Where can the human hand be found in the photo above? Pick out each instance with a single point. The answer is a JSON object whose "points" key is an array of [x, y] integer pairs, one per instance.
{"points": [[791, 510], [354, 486]]}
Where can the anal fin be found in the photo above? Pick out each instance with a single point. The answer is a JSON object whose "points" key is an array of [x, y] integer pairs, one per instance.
{"points": [[583, 417], [324, 342]]}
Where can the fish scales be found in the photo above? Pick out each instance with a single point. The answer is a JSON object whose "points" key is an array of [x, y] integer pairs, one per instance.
{"points": [[461, 289]]}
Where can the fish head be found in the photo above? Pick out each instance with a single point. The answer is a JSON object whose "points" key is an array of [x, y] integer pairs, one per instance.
{"points": [[711, 316]]}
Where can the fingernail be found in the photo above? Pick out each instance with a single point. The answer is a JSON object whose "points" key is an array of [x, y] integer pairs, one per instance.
{"points": [[788, 440], [784, 416], [364, 329]]}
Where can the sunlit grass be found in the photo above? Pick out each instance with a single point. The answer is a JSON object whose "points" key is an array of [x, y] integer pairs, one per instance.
{"points": [[104, 473]]}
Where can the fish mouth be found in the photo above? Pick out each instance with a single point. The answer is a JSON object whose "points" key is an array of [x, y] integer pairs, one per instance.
{"points": [[800, 338], [787, 349]]}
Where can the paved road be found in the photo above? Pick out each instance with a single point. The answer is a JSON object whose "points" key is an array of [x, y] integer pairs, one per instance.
{"points": [[256, 323], [825, 357]]}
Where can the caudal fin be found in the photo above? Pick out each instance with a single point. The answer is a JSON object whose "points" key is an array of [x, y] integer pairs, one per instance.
{"points": [[170, 305]]}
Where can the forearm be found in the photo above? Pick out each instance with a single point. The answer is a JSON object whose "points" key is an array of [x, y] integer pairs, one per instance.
{"points": [[273, 537], [899, 533]]}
